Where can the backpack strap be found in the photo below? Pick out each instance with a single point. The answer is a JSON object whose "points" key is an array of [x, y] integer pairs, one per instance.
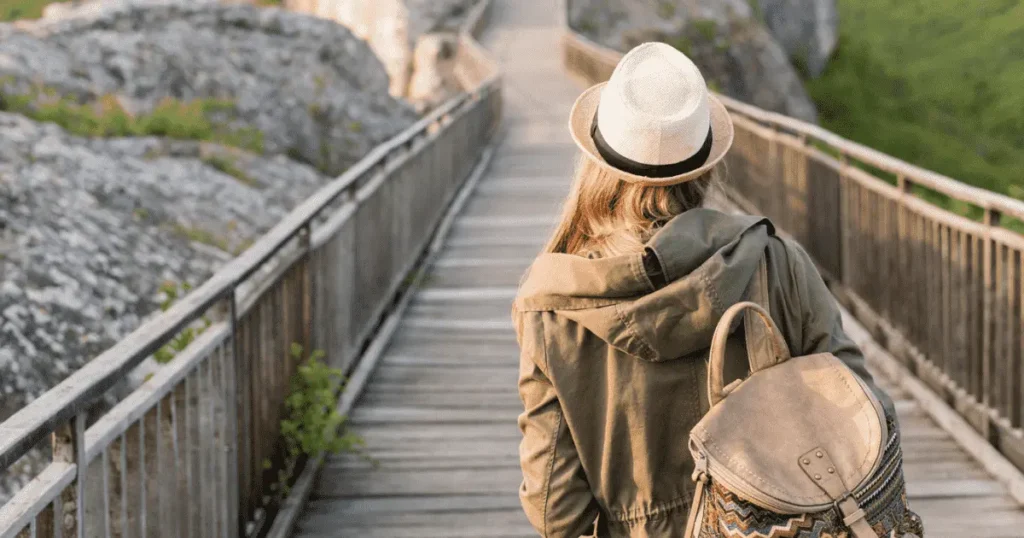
{"points": [[716, 360], [759, 341]]}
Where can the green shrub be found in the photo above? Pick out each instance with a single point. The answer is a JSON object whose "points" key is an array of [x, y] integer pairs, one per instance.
{"points": [[188, 334], [682, 43], [191, 120], [228, 166], [312, 423], [205, 237], [12, 10], [707, 29]]}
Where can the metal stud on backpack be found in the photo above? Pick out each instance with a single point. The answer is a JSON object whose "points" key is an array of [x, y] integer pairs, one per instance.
{"points": [[801, 448]]}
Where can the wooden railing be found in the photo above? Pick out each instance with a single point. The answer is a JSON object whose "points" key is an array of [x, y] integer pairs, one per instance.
{"points": [[942, 290], [195, 449]]}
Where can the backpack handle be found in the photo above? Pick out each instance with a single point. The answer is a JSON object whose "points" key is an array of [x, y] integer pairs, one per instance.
{"points": [[716, 392]]}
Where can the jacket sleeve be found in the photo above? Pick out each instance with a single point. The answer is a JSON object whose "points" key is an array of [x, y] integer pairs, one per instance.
{"points": [[822, 325], [554, 493]]}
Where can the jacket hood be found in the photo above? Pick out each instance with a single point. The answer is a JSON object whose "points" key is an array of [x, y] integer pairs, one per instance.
{"points": [[708, 258]]}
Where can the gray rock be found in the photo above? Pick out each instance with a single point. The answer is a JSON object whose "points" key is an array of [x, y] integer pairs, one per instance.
{"points": [[735, 52], [396, 29], [90, 229], [807, 29], [432, 16], [433, 80], [93, 228], [314, 90]]}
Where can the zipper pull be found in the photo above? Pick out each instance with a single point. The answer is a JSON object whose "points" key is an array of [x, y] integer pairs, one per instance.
{"points": [[693, 522], [700, 468]]}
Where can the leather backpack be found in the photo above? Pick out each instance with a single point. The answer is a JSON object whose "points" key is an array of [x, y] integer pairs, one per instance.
{"points": [[800, 447]]}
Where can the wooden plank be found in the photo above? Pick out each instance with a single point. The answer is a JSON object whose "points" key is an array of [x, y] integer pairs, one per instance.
{"points": [[436, 530], [500, 519], [434, 504], [442, 448], [428, 433], [451, 361], [380, 482], [405, 463], [507, 401], [388, 415], [947, 419], [505, 293], [931, 488]]}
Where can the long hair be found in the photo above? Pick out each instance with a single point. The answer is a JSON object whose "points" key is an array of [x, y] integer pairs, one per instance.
{"points": [[604, 216]]}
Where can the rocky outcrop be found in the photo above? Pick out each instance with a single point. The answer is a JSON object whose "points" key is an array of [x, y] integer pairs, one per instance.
{"points": [[314, 90], [406, 36], [384, 24], [433, 80], [737, 54], [90, 230], [807, 29]]}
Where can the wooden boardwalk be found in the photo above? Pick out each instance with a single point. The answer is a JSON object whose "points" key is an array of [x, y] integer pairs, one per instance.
{"points": [[439, 414]]}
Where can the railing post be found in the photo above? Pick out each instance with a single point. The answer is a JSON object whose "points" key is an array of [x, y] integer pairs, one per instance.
{"points": [[306, 244], [991, 221], [844, 222], [236, 515], [68, 446], [905, 257]]}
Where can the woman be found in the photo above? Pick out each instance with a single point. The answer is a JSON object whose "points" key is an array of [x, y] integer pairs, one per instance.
{"points": [[615, 317]]}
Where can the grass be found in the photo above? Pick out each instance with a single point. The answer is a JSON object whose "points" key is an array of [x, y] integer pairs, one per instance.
{"points": [[171, 292], [938, 83], [707, 29], [200, 235], [12, 10], [227, 165], [191, 120], [666, 9]]}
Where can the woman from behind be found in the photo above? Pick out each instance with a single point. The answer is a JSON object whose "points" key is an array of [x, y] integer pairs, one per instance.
{"points": [[615, 318]]}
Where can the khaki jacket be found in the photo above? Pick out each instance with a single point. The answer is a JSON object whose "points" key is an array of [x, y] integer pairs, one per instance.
{"points": [[613, 371]]}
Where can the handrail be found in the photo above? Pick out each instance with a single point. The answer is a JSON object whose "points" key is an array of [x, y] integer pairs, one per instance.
{"points": [[945, 292], [921, 176], [61, 409]]}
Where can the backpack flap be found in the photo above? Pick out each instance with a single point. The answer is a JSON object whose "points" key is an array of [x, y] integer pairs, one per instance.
{"points": [[758, 431]]}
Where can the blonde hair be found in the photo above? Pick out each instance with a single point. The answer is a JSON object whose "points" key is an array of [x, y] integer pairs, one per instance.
{"points": [[606, 216]]}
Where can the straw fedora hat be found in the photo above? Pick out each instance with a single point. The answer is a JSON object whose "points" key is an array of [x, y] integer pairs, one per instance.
{"points": [[654, 122]]}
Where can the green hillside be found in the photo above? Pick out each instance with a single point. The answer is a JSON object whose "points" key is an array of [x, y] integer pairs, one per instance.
{"points": [[11, 10], [939, 83], [22, 9]]}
